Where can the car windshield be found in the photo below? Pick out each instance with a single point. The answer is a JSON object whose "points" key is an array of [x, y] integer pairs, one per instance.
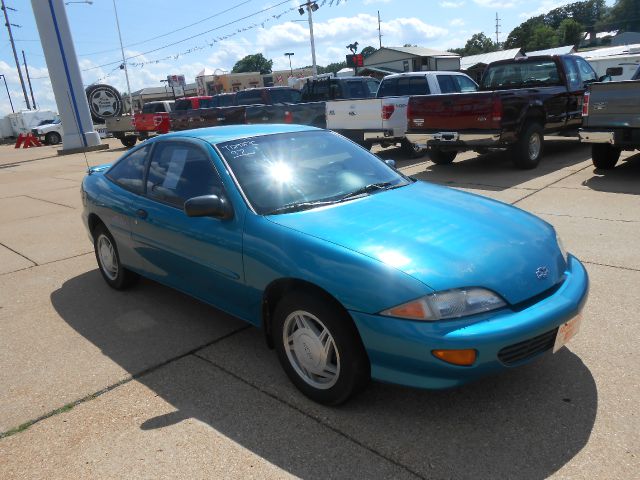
{"points": [[296, 171], [521, 74]]}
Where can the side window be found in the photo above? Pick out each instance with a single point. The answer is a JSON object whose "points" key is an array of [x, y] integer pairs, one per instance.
{"points": [[373, 87], [465, 84], [356, 89], [586, 72], [413, 86], [178, 172], [447, 85], [129, 171], [388, 88], [573, 77], [249, 97]]}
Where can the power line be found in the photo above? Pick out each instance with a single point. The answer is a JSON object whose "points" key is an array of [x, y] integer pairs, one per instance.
{"points": [[167, 33]]}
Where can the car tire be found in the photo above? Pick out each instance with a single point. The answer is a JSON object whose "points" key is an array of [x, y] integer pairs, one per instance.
{"points": [[319, 348], [440, 157], [527, 151], [604, 156], [129, 140], [412, 150], [108, 259], [52, 138]]}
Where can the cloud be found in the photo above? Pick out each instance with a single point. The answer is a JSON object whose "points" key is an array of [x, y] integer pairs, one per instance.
{"points": [[368, 2], [497, 3], [545, 7], [450, 4], [456, 22]]}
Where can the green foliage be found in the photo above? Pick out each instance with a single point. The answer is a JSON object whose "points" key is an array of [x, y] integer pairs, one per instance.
{"points": [[477, 44], [332, 67], [530, 34], [253, 63], [366, 51], [624, 15]]}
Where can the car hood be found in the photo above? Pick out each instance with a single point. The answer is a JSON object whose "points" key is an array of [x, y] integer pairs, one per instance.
{"points": [[444, 238]]}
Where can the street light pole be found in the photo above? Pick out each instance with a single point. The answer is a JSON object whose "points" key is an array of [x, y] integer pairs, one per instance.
{"points": [[290, 67], [124, 62], [8, 94], [311, 7]]}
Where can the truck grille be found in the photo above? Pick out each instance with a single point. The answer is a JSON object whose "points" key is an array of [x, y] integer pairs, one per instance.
{"points": [[521, 351]]}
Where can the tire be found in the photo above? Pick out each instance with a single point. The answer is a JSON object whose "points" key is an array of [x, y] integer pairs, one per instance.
{"points": [[104, 102], [311, 324], [412, 150], [52, 138], [528, 149], [442, 158], [108, 259], [129, 140], [604, 156]]}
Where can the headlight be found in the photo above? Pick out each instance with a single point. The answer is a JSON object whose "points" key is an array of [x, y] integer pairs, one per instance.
{"points": [[448, 304], [563, 250]]}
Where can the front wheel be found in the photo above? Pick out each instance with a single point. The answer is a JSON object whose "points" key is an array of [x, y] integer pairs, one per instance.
{"points": [[108, 259], [604, 156], [319, 348], [440, 157], [528, 149], [412, 150], [52, 138]]}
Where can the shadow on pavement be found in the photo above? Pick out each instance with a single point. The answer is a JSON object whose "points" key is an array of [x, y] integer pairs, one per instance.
{"points": [[624, 178], [526, 423], [493, 169]]}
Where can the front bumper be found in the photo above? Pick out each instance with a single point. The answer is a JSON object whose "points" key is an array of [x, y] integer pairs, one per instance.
{"points": [[400, 350], [456, 139]]}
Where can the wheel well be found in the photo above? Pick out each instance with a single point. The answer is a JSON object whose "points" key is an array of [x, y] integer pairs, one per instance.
{"points": [[94, 221], [277, 290], [534, 116]]}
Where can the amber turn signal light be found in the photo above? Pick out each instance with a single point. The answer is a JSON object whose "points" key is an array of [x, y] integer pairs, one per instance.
{"points": [[463, 358]]}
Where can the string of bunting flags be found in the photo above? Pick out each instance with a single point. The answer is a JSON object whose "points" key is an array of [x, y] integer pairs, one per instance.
{"points": [[222, 38]]}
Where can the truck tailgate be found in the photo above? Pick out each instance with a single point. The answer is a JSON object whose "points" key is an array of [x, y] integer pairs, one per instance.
{"points": [[614, 104], [363, 114], [453, 112]]}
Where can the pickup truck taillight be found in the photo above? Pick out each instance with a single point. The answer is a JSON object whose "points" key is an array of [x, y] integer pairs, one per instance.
{"points": [[585, 104], [387, 111], [496, 111]]}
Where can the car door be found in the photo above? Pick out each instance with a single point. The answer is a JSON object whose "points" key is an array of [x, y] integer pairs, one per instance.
{"points": [[199, 255], [576, 91]]}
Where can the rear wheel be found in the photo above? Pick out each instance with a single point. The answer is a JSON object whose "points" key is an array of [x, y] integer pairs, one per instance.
{"points": [[129, 140], [440, 157], [528, 149], [412, 150], [319, 348], [604, 156], [108, 259], [52, 138]]}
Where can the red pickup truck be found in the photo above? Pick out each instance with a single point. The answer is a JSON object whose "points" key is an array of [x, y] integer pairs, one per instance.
{"points": [[518, 102], [153, 120]]}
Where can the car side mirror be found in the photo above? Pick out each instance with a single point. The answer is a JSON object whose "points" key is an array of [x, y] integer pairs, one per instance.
{"points": [[391, 163], [209, 206]]}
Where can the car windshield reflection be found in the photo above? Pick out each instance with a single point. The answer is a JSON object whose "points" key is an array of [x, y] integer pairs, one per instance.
{"points": [[297, 171]]}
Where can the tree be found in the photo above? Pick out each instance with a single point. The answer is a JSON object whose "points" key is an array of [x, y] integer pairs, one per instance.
{"points": [[366, 51], [253, 63], [409, 45], [332, 67], [570, 32], [624, 15], [543, 37], [479, 43]]}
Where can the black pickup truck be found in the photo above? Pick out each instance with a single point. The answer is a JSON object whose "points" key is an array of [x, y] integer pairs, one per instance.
{"points": [[518, 102]]}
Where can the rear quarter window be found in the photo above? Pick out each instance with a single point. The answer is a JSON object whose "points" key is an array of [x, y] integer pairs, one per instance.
{"points": [[128, 172]]}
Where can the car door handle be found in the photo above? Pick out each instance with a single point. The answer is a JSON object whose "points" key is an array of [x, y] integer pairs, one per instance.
{"points": [[141, 213]]}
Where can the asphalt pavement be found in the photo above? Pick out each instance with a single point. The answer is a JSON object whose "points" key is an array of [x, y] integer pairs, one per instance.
{"points": [[150, 383]]}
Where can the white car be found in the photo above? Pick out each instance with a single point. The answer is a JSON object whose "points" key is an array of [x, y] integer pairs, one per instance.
{"points": [[51, 133], [383, 119]]}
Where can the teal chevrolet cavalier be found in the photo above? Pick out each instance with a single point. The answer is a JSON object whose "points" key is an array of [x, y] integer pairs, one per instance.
{"points": [[353, 270]]}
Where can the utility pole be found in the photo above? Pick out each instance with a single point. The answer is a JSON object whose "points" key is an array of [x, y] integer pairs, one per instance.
{"points": [[15, 55], [379, 31], [26, 69], [497, 30], [124, 62], [8, 94]]}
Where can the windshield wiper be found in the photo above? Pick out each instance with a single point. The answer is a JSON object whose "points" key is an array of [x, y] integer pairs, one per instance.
{"points": [[299, 206], [372, 187]]}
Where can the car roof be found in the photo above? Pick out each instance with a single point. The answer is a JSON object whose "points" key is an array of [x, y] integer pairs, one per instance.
{"points": [[423, 74], [226, 133]]}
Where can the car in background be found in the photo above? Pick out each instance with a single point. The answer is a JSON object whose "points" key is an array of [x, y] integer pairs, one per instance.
{"points": [[337, 88], [154, 119], [50, 133], [353, 270]]}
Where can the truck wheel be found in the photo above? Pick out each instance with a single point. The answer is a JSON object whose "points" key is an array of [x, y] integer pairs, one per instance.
{"points": [[604, 156], [442, 158], [52, 138], [129, 140], [412, 150], [528, 149]]}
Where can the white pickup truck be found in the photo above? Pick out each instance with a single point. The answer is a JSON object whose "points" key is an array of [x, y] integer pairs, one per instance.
{"points": [[51, 133], [383, 119]]}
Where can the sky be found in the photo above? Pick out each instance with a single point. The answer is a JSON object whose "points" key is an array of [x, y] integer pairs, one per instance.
{"points": [[219, 33]]}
